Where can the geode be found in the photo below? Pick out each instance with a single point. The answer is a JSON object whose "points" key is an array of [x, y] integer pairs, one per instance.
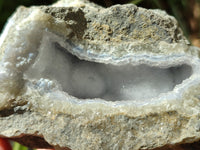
{"points": [[77, 75]]}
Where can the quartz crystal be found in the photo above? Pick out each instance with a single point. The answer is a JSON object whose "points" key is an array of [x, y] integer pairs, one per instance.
{"points": [[77, 75]]}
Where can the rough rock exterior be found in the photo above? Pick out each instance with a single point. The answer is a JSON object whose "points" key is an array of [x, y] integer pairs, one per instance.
{"points": [[38, 113]]}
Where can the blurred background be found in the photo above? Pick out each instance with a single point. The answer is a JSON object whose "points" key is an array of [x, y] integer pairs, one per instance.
{"points": [[187, 12]]}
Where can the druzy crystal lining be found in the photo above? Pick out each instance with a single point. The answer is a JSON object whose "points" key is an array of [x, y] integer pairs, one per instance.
{"points": [[88, 80]]}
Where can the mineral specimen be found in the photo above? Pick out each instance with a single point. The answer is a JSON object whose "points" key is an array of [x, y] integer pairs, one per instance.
{"points": [[76, 75]]}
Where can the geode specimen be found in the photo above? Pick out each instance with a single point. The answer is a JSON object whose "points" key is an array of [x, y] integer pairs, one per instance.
{"points": [[79, 76]]}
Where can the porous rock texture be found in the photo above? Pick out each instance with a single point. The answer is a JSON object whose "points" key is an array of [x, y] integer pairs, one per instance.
{"points": [[77, 75]]}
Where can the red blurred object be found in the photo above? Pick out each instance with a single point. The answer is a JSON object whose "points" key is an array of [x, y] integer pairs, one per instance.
{"points": [[5, 144]]}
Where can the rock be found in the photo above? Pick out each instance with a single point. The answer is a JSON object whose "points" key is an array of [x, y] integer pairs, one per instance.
{"points": [[79, 76]]}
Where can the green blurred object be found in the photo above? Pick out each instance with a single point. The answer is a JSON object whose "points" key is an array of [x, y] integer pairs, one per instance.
{"points": [[18, 146], [136, 1], [176, 7]]}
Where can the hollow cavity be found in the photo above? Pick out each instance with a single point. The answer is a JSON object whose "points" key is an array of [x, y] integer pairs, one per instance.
{"points": [[84, 79]]}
